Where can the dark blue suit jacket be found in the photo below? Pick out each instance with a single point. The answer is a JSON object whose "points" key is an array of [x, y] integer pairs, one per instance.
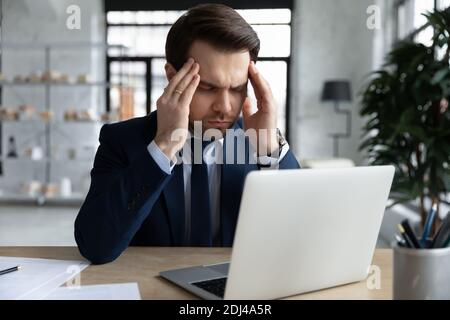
{"points": [[131, 201]]}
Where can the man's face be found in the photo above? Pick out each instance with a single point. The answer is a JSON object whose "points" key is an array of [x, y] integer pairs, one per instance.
{"points": [[218, 99]]}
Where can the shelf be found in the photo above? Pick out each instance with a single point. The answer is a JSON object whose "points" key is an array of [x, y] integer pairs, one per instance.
{"points": [[45, 160], [56, 84], [5, 159], [76, 198], [61, 45], [52, 122], [22, 159]]}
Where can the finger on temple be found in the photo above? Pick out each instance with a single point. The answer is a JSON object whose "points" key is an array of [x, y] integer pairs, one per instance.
{"points": [[188, 93], [179, 75], [183, 84]]}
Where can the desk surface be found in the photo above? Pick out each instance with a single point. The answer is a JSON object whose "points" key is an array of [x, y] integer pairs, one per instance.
{"points": [[143, 264]]}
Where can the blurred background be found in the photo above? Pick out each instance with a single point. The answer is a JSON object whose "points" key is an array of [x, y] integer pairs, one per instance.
{"points": [[69, 66]]}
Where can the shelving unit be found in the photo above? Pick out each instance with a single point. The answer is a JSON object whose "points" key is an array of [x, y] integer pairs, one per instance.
{"points": [[13, 198], [45, 83], [51, 125]]}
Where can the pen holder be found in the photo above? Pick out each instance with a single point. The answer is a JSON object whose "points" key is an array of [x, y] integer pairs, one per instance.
{"points": [[421, 274]]}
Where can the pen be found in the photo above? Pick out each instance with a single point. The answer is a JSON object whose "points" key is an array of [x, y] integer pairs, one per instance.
{"points": [[410, 232], [401, 242], [443, 233], [16, 268], [408, 242], [428, 223]]}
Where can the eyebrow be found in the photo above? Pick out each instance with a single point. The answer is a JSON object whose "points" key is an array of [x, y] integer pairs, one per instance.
{"points": [[210, 84]]}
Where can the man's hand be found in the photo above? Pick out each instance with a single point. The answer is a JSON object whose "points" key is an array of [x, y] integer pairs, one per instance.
{"points": [[173, 109], [266, 115]]}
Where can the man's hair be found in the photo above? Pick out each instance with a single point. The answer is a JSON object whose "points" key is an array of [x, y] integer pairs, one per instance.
{"points": [[216, 24]]}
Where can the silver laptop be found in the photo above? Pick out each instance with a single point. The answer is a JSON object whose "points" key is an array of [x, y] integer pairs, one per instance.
{"points": [[298, 231]]}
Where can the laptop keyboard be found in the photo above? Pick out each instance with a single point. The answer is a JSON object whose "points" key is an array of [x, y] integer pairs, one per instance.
{"points": [[214, 286]]}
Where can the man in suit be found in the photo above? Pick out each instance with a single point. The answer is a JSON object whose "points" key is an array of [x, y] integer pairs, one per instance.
{"points": [[145, 189]]}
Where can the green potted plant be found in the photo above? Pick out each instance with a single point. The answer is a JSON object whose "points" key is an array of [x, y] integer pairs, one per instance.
{"points": [[406, 104]]}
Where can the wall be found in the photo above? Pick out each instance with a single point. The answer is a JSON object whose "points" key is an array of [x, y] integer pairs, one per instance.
{"points": [[330, 41]]}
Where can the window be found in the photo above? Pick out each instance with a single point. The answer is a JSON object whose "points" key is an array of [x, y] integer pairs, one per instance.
{"points": [[421, 7], [425, 36], [404, 19], [412, 22], [442, 4], [137, 75], [130, 75]]}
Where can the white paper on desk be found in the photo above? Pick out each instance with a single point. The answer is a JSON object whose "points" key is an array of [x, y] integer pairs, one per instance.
{"points": [[37, 278], [119, 291]]}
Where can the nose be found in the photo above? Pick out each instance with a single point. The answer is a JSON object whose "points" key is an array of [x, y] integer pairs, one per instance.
{"points": [[222, 102]]}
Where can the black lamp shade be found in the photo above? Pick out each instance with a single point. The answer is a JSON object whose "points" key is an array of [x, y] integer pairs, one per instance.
{"points": [[336, 91]]}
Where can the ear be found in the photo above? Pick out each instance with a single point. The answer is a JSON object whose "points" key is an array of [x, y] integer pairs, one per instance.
{"points": [[170, 71]]}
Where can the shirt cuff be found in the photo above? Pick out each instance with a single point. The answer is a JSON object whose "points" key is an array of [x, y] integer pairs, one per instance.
{"points": [[164, 163], [267, 162]]}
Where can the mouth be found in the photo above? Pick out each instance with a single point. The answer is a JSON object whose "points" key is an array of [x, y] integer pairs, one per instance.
{"points": [[219, 124]]}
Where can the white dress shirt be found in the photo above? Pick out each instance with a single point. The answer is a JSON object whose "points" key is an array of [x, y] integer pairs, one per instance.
{"points": [[214, 176]]}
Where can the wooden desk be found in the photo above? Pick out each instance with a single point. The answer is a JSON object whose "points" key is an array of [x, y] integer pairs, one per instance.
{"points": [[142, 265]]}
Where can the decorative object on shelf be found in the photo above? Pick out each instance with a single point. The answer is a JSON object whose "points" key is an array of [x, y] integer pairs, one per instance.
{"points": [[50, 190], [338, 91], [71, 153], [83, 78], [8, 114], [35, 153], [22, 112], [32, 188], [27, 112], [87, 115], [34, 77], [64, 78], [12, 150], [19, 78], [65, 189], [51, 76], [70, 115], [46, 115]]}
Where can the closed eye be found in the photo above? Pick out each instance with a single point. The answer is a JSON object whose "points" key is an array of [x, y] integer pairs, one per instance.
{"points": [[240, 88], [206, 88]]}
